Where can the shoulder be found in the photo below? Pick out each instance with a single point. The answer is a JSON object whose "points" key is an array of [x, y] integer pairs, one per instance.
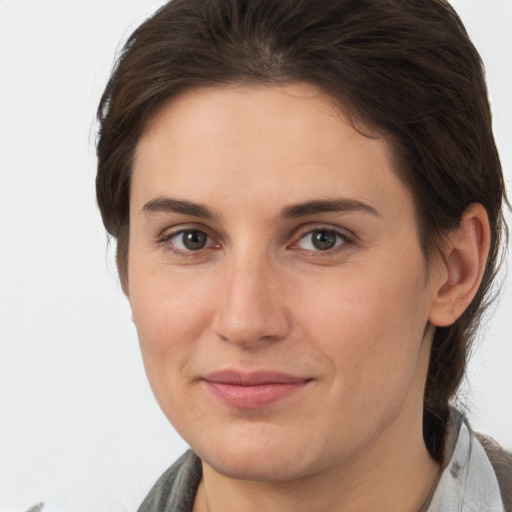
{"points": [[175, 490], [501, 461]]}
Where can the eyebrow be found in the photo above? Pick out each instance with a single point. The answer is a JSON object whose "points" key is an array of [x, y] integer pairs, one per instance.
{"points": [[170, 205], [327, 205]]}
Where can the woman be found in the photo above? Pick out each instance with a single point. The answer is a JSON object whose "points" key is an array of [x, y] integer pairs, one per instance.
{"points": [[306, 197]]}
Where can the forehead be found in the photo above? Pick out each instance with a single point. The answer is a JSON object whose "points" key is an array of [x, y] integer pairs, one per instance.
{"points": [[288, 143]]}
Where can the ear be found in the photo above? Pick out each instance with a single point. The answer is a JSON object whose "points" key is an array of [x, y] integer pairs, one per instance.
{"points": [[460, 272]]}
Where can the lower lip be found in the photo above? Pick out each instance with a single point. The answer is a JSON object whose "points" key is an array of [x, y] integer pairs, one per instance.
{"points": [[254, 397]]}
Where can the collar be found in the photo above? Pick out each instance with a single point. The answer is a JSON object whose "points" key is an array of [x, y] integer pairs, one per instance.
{"points": [[468, 482]]}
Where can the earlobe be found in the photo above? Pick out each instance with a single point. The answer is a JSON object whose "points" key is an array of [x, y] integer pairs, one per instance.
{"points": [[464, 262]]}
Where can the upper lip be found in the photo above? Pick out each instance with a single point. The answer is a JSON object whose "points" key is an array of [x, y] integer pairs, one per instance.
{"points": [[255, 378]]}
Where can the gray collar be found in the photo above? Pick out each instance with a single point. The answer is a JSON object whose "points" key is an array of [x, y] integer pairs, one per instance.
{"points": [[468, 482]]}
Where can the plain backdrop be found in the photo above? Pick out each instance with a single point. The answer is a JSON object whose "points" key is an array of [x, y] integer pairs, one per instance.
{"points": [[79, 427]]}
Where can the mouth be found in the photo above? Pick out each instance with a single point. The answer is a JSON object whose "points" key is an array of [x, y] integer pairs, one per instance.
{"points": [[253, 390]]}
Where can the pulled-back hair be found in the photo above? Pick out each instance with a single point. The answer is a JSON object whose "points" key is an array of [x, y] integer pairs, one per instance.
{"points": [[404, 67]]}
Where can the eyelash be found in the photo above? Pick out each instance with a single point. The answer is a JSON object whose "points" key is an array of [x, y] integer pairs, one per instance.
{"points": [[167, 241], [342, 242]]}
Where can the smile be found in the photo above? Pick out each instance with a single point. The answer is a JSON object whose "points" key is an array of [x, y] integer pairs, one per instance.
{"points": [[253, 390]]}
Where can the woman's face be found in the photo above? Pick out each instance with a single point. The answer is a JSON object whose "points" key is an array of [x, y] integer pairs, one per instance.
{"points": [[277, 282]]}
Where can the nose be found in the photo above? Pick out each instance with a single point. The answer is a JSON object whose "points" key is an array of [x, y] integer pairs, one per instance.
{"points": [[252, 303]]}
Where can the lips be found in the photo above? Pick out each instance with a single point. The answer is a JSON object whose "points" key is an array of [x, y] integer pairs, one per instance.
{"points": [[253, 390]]}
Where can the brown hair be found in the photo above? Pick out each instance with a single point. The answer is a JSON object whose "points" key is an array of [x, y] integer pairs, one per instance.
{"points": [[404, 67]]}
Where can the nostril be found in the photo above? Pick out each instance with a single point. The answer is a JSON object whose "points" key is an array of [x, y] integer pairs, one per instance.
{"points": [[251, 326]]}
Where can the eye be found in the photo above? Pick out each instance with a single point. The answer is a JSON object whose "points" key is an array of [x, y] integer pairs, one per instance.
{"points": [[321, 239], [189, 240]]}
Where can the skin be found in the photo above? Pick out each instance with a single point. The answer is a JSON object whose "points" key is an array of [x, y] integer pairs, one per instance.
{"points": [[356, 320]]}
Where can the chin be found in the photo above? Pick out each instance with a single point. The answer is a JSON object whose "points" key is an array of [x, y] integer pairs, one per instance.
{"points": [[260, 453], [258, 467]]}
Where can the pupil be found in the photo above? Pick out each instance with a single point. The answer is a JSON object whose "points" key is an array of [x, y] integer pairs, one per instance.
{"points": [[194, 240], [324, 240]]}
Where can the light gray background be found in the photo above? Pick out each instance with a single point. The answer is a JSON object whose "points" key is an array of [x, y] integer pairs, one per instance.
{"points": [[79, 428]]}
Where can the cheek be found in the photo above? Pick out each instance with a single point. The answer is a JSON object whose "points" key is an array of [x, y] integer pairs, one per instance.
{"points": [[170, 316], [370, 328]]}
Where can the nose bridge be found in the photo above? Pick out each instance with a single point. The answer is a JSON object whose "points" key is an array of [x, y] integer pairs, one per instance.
{"points": [[252, 307]]}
